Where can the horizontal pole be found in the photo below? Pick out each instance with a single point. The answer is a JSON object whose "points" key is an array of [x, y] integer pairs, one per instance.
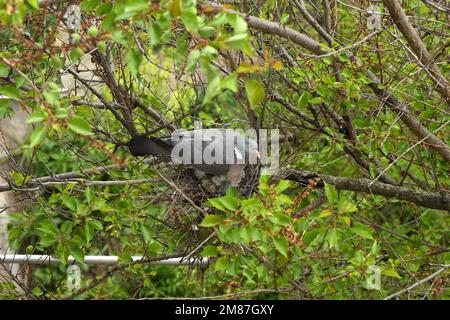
{"points": [[38, 259]]}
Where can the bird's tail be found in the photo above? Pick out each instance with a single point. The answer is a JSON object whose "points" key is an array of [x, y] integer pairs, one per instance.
{"points": [[145, 146]]}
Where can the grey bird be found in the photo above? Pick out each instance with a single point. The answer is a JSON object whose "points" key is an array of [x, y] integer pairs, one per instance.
{"points": [[216, 152]]}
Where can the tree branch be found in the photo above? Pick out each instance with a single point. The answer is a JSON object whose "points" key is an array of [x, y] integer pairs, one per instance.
{"points": [[418, 47], [298, 38], [63, 177], [432, 200], [418, 283]]}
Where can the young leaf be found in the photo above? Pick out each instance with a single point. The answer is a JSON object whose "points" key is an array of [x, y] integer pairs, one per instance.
{"points": [[325, 213], [148, 233], [36, 116], [10, 91], [331, 193], [255, 92], [282, 245], [80, 126], [363, 231], [37, 136], [303, 101], [77, 253], [332, 238], [211, 220], [134, 61], [281, 186], [210, 251], [229, 202]]}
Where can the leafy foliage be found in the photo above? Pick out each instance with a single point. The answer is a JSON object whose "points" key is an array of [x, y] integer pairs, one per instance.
{"points": [[159, 64]]}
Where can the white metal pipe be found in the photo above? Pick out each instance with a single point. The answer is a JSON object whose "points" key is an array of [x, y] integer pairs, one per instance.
{"points": [[97, 260]]}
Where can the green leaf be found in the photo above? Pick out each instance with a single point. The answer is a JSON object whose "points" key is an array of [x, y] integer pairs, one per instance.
{"points": [[87, 5], [33, 3], [80, 126], [148, 233], [221, 264], [390, 272], [46, 227], [282, 185], [237, 42], [37, 136], [229, 202], [5, 108], [134, 61], [155, 33], [77, 253], [120, 37], [363, 231], [37, 291], [332, 238], [70, 202], [175, 8], [155, 248], [212, 90], [317, 100], [331, 193], [282, 245], [303, 100], [216, 203], [52, 95], [210, 251], [255, 92], [56, 62], [61, 113], [325, 213], [190, 20], [212, 220], [103, 9], [66, 227], [47, 241], [194, 55], [36, 116], [232, 192], [109, 21], [96, 224], [310, 236], [254, 232], [4, 70], [89, 232], [10, 91], [90, 194], [230, 83], [239, 24], [131, 8]]}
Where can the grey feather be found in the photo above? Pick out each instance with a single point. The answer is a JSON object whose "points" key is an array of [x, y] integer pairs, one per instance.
{"points": [[236, 148]]}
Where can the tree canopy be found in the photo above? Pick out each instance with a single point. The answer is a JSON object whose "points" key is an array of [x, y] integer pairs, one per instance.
{"points": [[357, 89]]}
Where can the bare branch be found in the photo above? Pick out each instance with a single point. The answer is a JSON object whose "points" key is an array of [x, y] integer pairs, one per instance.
{"points": [[418, 283], [418, 47], [298, 38], [432, 200]]}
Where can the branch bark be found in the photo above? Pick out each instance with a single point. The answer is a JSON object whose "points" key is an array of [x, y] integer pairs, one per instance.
{"points": [[63, 177], [432, 200], [306, 42], [418, 47]]}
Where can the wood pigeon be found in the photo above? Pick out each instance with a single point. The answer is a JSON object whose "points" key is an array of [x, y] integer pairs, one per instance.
{"points": [[216, 152]]}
